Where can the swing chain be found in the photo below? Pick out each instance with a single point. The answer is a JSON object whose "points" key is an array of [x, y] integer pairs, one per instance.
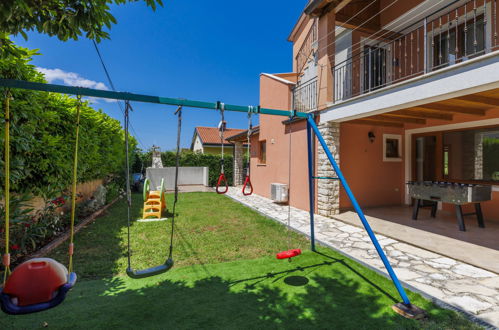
{"points": [[128, 107], [126, 121], [178, 112], [74, 183], [221, 128], [250, 131], [6, 256], [292, 114]]}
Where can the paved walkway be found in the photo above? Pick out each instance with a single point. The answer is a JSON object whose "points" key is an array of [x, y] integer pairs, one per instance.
{"points": [[468, 288]]}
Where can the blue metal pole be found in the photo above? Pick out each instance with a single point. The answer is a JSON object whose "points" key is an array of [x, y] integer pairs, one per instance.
{"points": [[311, 186], [396, 282], [139, 97]]}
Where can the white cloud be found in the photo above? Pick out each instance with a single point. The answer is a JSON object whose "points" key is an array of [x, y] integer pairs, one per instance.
{"points": [[73, 79], [70, 79], [94, 100]]}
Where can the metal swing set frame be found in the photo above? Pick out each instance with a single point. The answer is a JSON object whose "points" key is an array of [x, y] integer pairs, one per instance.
{"points": [[404, 307]]}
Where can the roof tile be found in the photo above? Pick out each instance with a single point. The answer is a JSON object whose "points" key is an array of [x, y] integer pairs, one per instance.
{"points": [[210, 135]]}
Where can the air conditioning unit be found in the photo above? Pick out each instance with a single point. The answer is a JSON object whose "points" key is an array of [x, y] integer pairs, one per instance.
{"points": [[279, 192]]}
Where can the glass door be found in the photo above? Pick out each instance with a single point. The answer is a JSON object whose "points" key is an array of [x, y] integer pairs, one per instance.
{"points": [[374, 68], [426, 158]]}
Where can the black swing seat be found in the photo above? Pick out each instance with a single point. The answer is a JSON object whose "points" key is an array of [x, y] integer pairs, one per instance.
{"points": [[10, 307], [150, 271]]}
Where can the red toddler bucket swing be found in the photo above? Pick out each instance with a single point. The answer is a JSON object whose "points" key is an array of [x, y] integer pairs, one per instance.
{"points": [[37, 284]]}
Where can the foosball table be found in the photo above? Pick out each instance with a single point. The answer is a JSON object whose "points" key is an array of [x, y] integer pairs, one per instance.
{"points": [[449, 192]]}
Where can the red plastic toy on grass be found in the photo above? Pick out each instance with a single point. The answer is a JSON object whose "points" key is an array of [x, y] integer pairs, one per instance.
{"points": [[288, 254]]}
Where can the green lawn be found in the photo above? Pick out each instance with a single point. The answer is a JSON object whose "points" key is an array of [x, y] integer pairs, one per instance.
{"points": [[225, 276]]}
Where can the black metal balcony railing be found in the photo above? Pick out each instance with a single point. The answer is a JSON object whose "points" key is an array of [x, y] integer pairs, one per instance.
{"points": [[305, 96], [446, 37]]}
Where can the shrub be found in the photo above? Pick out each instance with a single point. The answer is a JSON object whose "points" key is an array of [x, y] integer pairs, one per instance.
{"points": [[21, 220], [29, 230]]}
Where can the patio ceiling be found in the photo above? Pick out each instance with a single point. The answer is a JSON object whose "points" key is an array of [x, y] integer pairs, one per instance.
{"points": [[445, 110]]}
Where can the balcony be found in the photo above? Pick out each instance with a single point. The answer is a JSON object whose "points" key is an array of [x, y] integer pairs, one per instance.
{"points": [[452, 35], [305, 96]]}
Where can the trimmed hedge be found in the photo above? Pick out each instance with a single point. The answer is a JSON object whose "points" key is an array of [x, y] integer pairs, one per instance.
{"points": [[43, 133], [42, 145]]}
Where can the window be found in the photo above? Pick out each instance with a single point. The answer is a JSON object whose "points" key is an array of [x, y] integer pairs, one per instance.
{"points": [[392, 148], [262, 154], [446, 160], [444, 41], [374, 68], [474, 156], [444, 52], [475, 32]]}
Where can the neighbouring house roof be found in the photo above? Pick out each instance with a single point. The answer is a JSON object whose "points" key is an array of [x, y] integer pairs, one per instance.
{"points": [[243, 136], [211, 136]]}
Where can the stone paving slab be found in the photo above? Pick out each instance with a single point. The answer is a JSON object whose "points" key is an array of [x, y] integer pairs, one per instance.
{"points": [[485, 256], [465, 287]]}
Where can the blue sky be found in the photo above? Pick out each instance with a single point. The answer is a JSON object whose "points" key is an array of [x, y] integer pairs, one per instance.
{"points": [[202, 50]]}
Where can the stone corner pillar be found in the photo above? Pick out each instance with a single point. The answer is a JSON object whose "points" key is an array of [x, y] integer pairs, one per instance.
{"points": [[328, 191], [238, 163]]}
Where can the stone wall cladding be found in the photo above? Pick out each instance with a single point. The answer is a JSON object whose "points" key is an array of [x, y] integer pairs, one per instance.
{"points": [[328, 194], [478, 157], [238, 164], [468, 147]]}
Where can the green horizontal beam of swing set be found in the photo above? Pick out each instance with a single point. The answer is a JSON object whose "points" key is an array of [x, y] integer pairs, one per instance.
{"points": [[125, 96]]}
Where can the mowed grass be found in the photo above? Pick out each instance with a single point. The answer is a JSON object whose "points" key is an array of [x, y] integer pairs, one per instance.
{"points": [[225, 277], [208, 229]]}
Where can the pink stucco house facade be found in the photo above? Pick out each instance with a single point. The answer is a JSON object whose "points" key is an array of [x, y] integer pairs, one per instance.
{"points": [[402, 91]]}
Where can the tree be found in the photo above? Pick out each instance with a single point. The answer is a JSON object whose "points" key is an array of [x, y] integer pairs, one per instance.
{"points": [[65, 19]]}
